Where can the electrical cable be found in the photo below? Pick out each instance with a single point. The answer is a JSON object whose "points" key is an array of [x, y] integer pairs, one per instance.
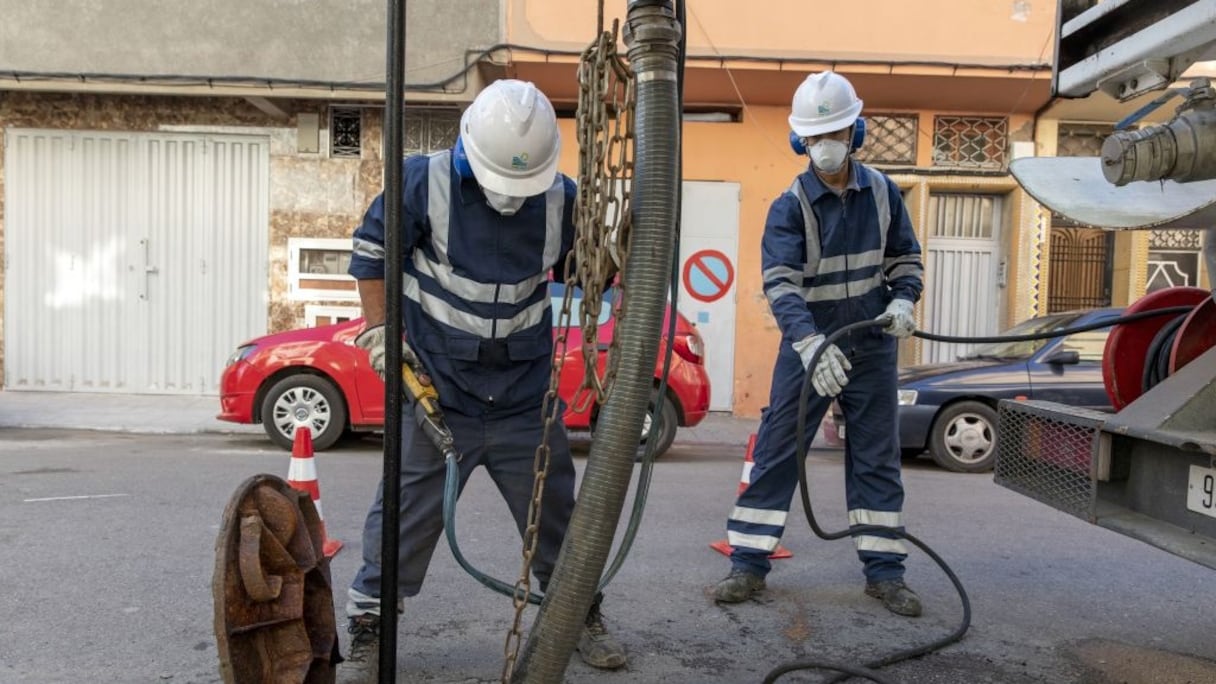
{"points": [[803, 445]]}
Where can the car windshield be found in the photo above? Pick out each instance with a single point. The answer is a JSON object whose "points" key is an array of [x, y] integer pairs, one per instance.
{"points": [[557, 295], [1023, 350]]}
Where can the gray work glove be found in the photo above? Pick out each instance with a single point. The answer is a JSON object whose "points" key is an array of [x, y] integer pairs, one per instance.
{"points": [[372, 341], [898, 317], [830, 375]]}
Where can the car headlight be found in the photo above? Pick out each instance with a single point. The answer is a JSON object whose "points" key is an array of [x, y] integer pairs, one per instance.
{"points": [[907, 397], [240, 354]]}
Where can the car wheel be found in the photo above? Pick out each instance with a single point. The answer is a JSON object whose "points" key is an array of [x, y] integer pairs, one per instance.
{"points": [[671, 422], [304, 400], [964, 437], [667, 433]]}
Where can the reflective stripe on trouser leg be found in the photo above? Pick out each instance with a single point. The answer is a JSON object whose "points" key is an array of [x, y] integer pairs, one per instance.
{"points": [[759, 517], [873, 488], [421, 518]]}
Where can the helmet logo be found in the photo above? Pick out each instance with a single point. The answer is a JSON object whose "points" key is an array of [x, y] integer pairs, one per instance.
{"points": [[825, 108], [520, 161]]}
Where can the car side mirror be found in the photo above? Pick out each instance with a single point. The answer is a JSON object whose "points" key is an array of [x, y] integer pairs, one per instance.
{"points": [[1064, 357]]}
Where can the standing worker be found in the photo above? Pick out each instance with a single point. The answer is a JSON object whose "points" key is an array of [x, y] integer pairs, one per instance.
{"points": [[838, 248], [484, 223]]}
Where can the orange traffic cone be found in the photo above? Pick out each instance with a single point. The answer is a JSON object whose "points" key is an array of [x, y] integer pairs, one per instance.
{"points": [[723, 546], [302, 476]]}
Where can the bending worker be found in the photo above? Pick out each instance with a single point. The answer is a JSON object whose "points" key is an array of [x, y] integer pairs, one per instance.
{"points": [[838, 248], [484, 223]]}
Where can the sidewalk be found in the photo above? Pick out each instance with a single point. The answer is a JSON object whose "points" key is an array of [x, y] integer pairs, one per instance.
{"points": [[139, 413], [195, 414]]}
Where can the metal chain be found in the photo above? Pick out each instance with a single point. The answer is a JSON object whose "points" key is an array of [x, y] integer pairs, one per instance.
{"points": [[605, 136], [601, 220]]}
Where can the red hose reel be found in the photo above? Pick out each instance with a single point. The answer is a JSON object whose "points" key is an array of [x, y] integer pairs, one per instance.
{"points": [[1136, 352]]}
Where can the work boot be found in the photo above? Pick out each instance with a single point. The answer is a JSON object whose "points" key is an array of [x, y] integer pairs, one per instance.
{"points": [[362, 666], [739, 585], [596, 646], [895, 596]]}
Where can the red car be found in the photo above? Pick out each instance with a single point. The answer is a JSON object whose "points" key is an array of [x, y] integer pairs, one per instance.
{"points": [[317, 377]]}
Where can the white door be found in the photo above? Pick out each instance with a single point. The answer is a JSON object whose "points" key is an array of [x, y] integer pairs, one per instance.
{"points": [[136, 262], [709, 251], [963, 270]]}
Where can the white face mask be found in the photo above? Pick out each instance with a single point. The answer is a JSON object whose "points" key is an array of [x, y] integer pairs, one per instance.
{"points": [[503, 204], [829, 155]]}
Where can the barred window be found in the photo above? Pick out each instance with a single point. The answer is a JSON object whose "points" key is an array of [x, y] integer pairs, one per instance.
{"points": [[427, 130], [345, 132], [1173, 259], [970, 142], [1175, 239], [1081, 140], [890, 139]]}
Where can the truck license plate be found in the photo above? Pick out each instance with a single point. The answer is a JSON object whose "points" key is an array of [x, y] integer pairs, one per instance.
{"points": [[1201, 491]]}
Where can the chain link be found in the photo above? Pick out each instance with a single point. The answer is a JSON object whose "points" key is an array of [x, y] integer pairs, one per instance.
{"points": [[605, 122]]}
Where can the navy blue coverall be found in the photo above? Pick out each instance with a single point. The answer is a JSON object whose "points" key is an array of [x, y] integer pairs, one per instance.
{"points": [[830, 260], [477, 314]]}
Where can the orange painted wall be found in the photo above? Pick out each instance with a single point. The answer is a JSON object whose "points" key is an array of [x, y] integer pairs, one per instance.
{"points": [[755, 154], [953, 31]]}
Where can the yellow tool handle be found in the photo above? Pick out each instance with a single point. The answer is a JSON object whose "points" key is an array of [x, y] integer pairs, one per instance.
{"points": [[425, 395]]}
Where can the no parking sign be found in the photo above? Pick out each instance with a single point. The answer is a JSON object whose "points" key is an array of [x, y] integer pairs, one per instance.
{"points": [[708, 275]]}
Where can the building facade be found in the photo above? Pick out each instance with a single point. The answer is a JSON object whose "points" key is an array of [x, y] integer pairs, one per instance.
{"points": [[164, 198]]}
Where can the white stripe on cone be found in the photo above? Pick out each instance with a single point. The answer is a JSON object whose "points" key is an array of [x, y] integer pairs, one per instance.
{"points": [[302, 476]]}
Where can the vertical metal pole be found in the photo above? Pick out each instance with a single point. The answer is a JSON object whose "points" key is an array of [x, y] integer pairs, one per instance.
{"points": [[393, 192]]}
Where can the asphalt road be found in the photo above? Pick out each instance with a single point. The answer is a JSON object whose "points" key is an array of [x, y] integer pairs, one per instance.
{"points": [[106, 543]]}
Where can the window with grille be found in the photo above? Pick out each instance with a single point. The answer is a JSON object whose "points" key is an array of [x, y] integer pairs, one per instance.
{"points": [[956, 215], [1079, 269], [346, 132], [970, 142], [1173, 258], [1081, 140], [890, 139], [428, 130]]}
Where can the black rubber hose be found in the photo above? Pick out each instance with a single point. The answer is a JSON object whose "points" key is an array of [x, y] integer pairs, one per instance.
{"points": [[1157, 359], [984, 339], [803, 445]]}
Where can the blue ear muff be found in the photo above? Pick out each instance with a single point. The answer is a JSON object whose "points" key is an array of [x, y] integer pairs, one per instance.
{"points": [[859, 138], [461, 160], [796, 144], [859, 133]]}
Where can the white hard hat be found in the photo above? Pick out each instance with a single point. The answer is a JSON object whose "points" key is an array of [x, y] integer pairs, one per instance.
{"points": [[824, 103], [510, 136]]}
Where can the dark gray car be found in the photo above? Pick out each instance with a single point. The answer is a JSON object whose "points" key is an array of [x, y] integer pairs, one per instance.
{"points": [[949, 408]]}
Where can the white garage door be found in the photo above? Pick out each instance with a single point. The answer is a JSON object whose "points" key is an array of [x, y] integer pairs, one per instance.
{"points": [[962, 271], [136, 262]]}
